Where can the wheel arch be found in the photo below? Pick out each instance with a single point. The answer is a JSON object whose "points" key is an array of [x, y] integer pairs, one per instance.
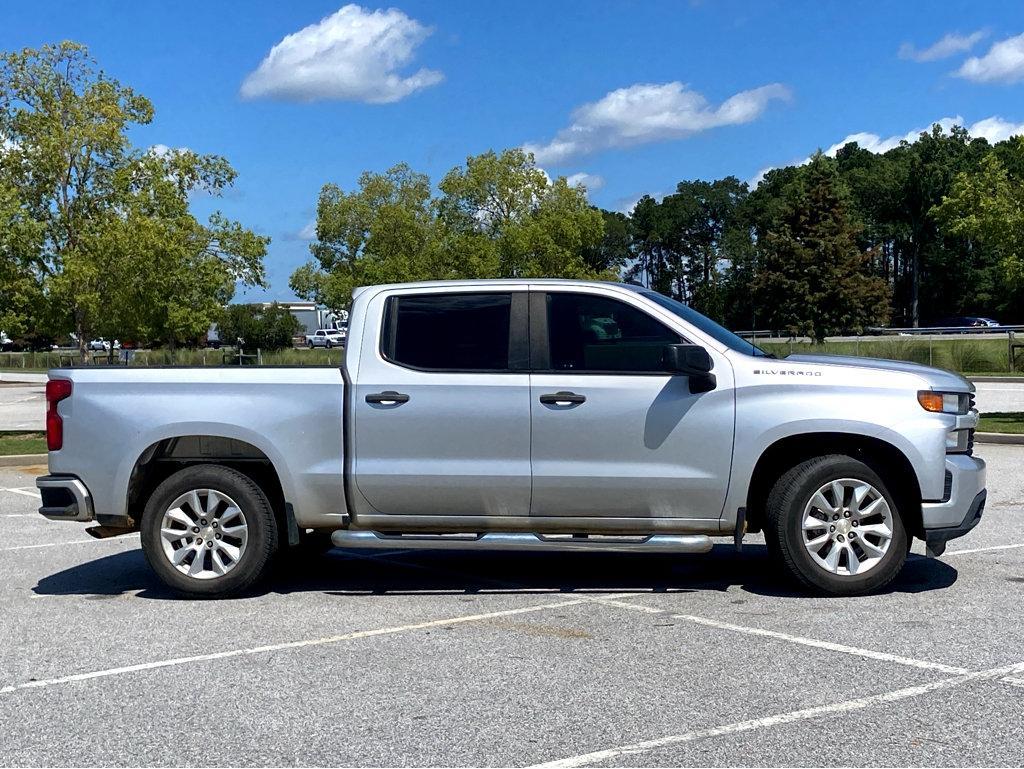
{"points": [[166, 456], [894, 467]]}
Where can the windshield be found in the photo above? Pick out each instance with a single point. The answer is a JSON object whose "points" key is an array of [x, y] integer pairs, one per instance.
{"points": [[706, 325]]}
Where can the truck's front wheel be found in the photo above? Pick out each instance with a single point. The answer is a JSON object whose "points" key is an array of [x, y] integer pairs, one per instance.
{"points": [[833, 524], [208, 531]]}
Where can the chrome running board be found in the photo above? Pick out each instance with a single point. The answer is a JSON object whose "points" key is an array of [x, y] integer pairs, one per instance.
{"points": [[656, 543]]}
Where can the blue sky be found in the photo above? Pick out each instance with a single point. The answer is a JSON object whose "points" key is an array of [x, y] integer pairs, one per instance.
{"points": [[637, 96]]}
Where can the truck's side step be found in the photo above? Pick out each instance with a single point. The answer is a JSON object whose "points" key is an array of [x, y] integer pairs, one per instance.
{"points": [[656, 543]]}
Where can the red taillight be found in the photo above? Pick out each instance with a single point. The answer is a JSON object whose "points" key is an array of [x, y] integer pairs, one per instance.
{"points": [[56, 391]]}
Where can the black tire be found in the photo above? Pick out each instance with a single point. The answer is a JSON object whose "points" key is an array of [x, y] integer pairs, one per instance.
{"points": [[784, 513], [329, 344], [310, 345], [262, 536]]}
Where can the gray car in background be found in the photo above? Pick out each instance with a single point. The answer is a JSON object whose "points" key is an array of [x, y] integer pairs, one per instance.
{"points": [[556, 415]]}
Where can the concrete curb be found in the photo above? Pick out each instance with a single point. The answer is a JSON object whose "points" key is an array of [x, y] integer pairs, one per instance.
{"points": [[998, 379], [1006, 439], [20, 460]]}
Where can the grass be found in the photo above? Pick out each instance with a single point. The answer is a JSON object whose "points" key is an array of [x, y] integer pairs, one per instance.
{"points": [[22, 443], [1002, 422], [976, 356]]}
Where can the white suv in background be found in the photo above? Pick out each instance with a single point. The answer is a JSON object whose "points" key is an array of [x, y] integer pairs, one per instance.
{"points": [[326, 337]]}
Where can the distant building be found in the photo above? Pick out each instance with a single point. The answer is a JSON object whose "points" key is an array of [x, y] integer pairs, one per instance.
{"points": [[311, 317]]}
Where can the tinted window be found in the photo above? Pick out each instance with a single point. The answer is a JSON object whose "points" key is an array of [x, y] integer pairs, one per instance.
{"points": [[705, 324], [454, 332], [592, 333]]}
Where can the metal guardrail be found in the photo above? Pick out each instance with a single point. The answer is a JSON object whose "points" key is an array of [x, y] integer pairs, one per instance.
{"points": [[891, 331], [884, 331], [1014, 338]]}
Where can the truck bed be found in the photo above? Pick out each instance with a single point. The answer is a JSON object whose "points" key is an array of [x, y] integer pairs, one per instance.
{"points": [[119, 418]]}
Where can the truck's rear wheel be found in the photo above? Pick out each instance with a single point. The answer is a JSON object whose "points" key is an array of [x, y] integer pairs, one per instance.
{"points": [[834, 526], [208, 531]]}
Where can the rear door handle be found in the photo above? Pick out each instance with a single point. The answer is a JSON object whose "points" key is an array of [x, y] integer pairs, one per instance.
{"points": [[562, 398], [387, 398]]}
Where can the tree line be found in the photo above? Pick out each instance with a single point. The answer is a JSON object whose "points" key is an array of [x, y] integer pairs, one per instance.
{"points": [[930, 229], [97, 236]]}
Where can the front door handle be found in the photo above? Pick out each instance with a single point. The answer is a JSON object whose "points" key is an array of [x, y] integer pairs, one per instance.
{"points": [[562, 398], [387, 398]]}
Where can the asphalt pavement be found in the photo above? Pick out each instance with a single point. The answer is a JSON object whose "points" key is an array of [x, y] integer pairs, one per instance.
{"points": [[419, 658]]}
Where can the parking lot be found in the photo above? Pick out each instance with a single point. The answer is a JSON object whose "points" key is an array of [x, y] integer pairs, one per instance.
{"points": [[515, 659]]}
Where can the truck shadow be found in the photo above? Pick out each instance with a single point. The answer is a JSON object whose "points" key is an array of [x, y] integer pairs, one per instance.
{"points": [[348, 573]]}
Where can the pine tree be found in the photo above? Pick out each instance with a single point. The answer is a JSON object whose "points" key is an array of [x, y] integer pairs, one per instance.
{"points": [[813, 279]]}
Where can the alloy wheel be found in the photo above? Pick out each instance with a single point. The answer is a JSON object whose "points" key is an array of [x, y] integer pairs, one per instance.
{"points": [[847, 526], [204, 534]]}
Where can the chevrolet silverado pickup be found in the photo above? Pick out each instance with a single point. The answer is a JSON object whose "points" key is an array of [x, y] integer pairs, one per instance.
{"points": [[545, 415]]}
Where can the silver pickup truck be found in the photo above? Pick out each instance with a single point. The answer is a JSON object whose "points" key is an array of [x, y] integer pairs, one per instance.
{"points": [[520, 414]]}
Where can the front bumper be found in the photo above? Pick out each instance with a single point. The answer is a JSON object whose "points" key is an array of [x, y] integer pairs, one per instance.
{"points": [[963, 507], [65, 498]]}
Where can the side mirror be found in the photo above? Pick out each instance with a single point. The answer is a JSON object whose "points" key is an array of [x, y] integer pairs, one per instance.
{"points": [[693, 361]]}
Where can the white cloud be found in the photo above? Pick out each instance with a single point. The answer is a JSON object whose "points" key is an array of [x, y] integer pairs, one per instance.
{"points": [[1004, 63], [591, 182], [757, 178], [352, 55], [162, 150], [949, 45], [626, 205], [649, 112], [994, 129], [308, 232]]}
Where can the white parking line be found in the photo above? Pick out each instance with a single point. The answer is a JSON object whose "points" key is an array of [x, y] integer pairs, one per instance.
{"points": [[25, 492], [58, 544], [827, 645], [802, 641], [983, 549], [617, 754], [288, 645]]}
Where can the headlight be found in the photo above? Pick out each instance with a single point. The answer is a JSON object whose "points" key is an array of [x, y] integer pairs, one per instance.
{"points": [[944, 403]]}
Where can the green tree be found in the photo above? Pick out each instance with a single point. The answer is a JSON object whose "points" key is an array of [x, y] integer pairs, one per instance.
{"points": [[115, 249], [985, 209], [21, 300], [813, 277], [503, 219], [687, 244], [383, 232], [705, 217], [269, 327], [655, 262], [496, 217], [893, 195], [613, 251]]}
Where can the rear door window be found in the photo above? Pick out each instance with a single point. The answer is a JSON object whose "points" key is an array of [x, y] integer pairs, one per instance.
{"points": [[449, 332]]}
